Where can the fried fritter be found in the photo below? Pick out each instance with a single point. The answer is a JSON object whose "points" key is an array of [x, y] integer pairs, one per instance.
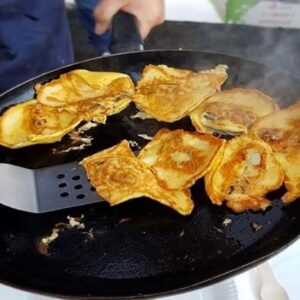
{"points": [[169, 94], [79, 85], [232, 112], [119, 176], [281, 131], [179, 158], [243, 174], [32, 123], [90, 94]]}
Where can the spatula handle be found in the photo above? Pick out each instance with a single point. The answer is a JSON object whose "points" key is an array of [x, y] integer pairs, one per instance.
{"points": [[125, 36]]}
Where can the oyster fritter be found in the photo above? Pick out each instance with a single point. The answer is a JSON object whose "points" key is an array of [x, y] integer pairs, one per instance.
{"points": [[81, 85], [178, 158], [90, 94], [232, 112], [169, 94], [281, 131], [32, 123], [119, 176], [243, 174]]}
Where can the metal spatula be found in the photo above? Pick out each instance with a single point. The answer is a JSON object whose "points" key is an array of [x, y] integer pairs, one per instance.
{"points": [[46, 189]]}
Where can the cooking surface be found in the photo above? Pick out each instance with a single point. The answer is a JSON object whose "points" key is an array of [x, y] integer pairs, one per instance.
{"points": [[142, 247], [128, 230]]}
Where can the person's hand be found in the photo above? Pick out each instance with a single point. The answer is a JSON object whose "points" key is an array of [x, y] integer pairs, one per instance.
{"points": [[149, 13]]}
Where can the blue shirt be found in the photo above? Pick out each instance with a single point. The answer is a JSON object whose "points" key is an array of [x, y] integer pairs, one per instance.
{"points": [[34, 38]]}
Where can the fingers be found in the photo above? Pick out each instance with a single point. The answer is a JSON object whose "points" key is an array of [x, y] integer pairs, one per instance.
{"points": [[144, 28], [149, 13], [104, 12]]}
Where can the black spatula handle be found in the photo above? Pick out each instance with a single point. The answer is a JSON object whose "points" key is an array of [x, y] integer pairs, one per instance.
{"points": [[125, 36]]}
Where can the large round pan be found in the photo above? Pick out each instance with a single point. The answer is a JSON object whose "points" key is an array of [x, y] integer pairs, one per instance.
{"points": [[140, 248]]}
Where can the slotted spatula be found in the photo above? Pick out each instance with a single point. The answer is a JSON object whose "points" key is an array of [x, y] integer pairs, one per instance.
{"points": [[47, 189]]}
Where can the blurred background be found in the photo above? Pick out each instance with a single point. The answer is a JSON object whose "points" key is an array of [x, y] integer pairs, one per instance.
{"points": [[40, 35], [266, 13]]}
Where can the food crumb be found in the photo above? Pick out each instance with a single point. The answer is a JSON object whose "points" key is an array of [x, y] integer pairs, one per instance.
{"points": [[76, 222], [218, 229], [226, 222], [87, 126], [44, 243], [141, 115], [75, 148], [145, 137], [49, 239], [124, 220], [79, 140], [181, 234], [256, 227]]}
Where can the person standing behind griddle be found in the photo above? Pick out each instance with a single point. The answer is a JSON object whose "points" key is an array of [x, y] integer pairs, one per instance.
{"points": [[35, 36]]}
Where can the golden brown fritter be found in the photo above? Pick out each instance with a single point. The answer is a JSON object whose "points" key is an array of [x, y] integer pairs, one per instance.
{"points": [[281, 131], [93, 95], [243, 174], [169, 94], [179, 158], [119, 176], [62, 104], [79, 85], [32, 123], [232, 112]]}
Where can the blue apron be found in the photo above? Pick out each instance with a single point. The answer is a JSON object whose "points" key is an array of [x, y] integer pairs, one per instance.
{"points": [[34, 38]]}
